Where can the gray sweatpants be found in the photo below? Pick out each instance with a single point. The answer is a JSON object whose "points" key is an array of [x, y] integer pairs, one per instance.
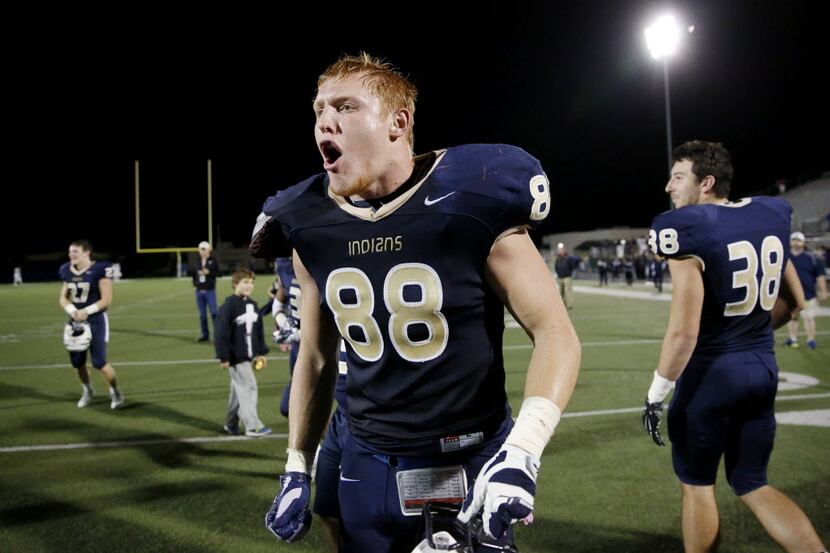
{"points": [[243, 398]]}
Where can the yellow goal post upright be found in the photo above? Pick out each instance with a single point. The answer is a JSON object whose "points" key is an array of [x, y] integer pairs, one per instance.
{"points": [[176, 249]]}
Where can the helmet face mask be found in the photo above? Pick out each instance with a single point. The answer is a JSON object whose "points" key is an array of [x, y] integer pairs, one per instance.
{"points": [[77, 336], [444, 533]]}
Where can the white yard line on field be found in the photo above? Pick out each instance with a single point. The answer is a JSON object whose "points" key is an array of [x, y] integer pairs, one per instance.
{"points": [[210, 439]]}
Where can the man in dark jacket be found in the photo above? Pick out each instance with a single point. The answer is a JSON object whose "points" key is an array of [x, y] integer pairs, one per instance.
{"points": [[204, 279]]}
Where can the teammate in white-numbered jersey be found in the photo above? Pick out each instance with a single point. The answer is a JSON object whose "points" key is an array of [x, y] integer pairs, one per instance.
{"points": [[85, 296], [412, 261], [728, 263]]}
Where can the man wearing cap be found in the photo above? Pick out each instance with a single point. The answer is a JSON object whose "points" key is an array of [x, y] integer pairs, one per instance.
{"points": [[811, 275], [204, 279]]}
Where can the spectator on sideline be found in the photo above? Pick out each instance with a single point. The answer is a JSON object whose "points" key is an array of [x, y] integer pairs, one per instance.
{"points": [[204, 279]]}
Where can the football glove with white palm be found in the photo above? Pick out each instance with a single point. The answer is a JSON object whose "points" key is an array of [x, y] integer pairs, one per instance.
{"points": [[287, 335], [503, 491], [289, 517]]}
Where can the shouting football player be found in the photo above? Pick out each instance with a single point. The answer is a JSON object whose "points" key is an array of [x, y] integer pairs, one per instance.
{"points": [[412, 260]]}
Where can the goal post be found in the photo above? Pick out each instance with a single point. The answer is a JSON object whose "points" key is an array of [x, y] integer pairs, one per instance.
{"points": [[173, 249]]}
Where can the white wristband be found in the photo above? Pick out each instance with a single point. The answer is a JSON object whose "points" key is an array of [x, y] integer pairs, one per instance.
{"points": [[298, 460], [70, 309], [92, 309], [535, 424], [660, 388], [282, 320]]}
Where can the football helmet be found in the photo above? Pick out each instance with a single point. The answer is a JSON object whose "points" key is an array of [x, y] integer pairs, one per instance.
{"points": [[77, 336], [444, 533]]}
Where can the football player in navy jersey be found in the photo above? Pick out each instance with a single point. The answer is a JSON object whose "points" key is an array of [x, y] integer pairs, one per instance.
{"points": [[412, 261], [811, 275], [728, 263], [286, 312], [85, 296]]}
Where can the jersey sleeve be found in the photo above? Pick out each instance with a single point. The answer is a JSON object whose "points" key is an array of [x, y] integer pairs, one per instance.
{"points": [[523, 186], [679, 233], [269, 238], [505, 186], [63, 272], [103, 269]]}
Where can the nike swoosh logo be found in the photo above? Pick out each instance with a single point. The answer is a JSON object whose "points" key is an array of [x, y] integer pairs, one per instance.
{"points": [[427, 201], [344, 479]]}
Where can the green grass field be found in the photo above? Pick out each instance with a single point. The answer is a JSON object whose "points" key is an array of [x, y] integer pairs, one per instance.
{"points": [[164, 478]]}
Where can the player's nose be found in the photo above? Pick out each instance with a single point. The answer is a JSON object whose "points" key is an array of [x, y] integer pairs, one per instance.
{"points": [[326, 121]]}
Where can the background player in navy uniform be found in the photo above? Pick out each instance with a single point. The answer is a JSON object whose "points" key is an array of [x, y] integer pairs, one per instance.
{"points": [[412, 260], [811, 275], [85, 295], [286, 312], [204, 280], [727, 261]]}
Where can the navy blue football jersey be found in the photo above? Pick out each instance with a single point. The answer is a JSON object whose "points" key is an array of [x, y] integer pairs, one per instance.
{"points": [[809, 271], [83, 287], [293, 295], [405, 284], [741, 247]]}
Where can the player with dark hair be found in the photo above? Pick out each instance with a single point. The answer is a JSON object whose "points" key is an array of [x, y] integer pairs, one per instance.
{"points": [[86, 295], [733, 282]]}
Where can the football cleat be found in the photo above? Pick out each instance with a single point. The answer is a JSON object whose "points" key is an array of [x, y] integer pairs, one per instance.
{"points": [[444, 533], [116, 399], [811, 344], [77, 336], [791, 343], [86, 398]]}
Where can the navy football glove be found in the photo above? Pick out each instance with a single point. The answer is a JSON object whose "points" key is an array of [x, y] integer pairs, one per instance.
{"points": [[503, 491], [289, 334], [652, 414], [289, 518]]}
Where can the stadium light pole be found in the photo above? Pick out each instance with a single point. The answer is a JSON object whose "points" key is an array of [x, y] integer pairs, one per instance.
{"points": [[662, 39]]}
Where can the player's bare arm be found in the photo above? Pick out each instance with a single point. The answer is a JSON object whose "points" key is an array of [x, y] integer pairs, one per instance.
{"points": [[684, 317], [315, 372], [520, 277]]}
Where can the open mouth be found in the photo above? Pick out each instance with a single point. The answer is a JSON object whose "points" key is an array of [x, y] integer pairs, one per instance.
{"points": [[331, 153]]}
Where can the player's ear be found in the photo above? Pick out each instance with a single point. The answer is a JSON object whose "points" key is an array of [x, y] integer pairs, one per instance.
{"points": [[707, 184], [401, 122]]}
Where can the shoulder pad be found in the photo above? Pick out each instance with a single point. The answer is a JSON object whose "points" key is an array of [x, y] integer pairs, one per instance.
{"points": [[680, 232], [504, 173], [269, 238]]}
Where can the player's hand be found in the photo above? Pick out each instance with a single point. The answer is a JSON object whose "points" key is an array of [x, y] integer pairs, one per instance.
{"points": [[652, 414], [289, 518], [287, 335], [80, 315], [225, 364], [503, 491]]}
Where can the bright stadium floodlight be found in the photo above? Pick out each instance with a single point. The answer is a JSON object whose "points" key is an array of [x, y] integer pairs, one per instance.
{"points": [[663, 39]]}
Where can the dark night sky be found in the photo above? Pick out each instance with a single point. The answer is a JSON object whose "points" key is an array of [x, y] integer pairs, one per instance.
{"points": [[570, 82]]}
